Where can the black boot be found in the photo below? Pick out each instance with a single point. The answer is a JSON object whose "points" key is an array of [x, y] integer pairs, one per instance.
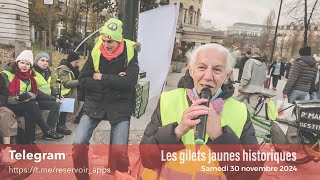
{"points": [[64, 130], [61, 127], [52, 135]]}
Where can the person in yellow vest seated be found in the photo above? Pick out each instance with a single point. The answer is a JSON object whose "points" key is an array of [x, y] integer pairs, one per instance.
{"points": [[68, 73], [23, 90], [177, 114], [108, 79], [48, 98]]}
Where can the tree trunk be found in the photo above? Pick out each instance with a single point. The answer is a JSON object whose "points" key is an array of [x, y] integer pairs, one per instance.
{"points": [[275, 33], [49, 28], [306, 26], [85, 27], [66, 16]]}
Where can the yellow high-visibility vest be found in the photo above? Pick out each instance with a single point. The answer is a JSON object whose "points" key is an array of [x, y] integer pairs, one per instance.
{"points": [[96, 53], [23, 86], [172, 105], [43, 84]]}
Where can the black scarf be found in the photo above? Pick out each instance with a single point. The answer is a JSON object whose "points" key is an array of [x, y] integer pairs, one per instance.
{"points": [[45, 73], [74, 70]]}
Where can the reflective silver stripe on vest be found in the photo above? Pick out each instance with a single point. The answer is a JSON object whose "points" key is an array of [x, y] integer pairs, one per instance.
{"points": [[45, 89]]}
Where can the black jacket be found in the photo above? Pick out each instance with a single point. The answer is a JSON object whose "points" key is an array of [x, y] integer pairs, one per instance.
{"points": [[287, 69], [272, 68], [302, 75], [159, 135], [241, 66], [112, 98], [186, 81], [4, 92]]}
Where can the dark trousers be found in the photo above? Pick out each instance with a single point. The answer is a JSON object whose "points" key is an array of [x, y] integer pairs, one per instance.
{"points": [[275, 79], [62, 119], [240, 74], [31, 111], [53, 115]]}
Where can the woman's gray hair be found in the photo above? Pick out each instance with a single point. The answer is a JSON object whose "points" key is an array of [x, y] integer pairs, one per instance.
{"points": [[192, 55]]}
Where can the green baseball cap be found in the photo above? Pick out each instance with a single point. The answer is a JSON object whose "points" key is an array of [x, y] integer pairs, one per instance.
{"points": [[112, 29]]}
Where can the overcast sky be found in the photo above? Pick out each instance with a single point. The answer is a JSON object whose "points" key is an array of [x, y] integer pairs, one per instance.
{"points": [[224, 13]]}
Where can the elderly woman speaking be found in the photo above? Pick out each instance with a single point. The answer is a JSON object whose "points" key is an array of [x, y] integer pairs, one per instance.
{"points": [[177, 114]]}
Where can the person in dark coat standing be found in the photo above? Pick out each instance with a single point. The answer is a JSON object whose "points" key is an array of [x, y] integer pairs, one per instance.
{"points": [[288, 67], [242, 63], [301, 77], [108, 79], [277, 71]]}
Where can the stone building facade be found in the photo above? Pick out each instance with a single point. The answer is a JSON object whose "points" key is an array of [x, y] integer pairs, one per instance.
{"points": [[189, 29], [14, 23]]}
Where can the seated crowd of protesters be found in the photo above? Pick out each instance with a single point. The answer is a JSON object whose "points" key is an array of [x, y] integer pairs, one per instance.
{"points": [[26, 90]]}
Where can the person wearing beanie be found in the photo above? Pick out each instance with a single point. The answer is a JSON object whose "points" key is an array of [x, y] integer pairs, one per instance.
{"points": [[305, 51], [301, 77], [26, 56], [108, 79], [48, 98], [23, 90], [68, 73]]}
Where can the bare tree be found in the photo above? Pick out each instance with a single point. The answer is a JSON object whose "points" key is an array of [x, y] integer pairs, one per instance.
{"points": [[302, 11], [293, 43], [267, 32], [85, 5]]}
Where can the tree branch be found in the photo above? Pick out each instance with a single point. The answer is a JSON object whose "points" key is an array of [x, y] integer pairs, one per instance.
{"points": [[312, 11]]}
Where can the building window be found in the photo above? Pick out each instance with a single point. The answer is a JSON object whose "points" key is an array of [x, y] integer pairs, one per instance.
{"points": [[185, 16], [181, 13], [191, 14], [198, 17], [316, 28], [18, 17]]}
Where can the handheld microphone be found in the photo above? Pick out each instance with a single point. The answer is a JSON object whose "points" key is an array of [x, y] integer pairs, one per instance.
{"points": [[200, 133]]}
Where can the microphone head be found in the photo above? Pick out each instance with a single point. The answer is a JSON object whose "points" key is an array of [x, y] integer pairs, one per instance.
{"points": [[205, 93]]}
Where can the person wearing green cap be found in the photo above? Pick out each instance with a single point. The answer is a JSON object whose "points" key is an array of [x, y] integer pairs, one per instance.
{"points": [[108, 79]]}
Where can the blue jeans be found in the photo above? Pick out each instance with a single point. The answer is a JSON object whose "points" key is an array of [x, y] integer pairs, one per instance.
{"points": [[119, 131], [314, 96], [119, 137], [298, 95]]}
